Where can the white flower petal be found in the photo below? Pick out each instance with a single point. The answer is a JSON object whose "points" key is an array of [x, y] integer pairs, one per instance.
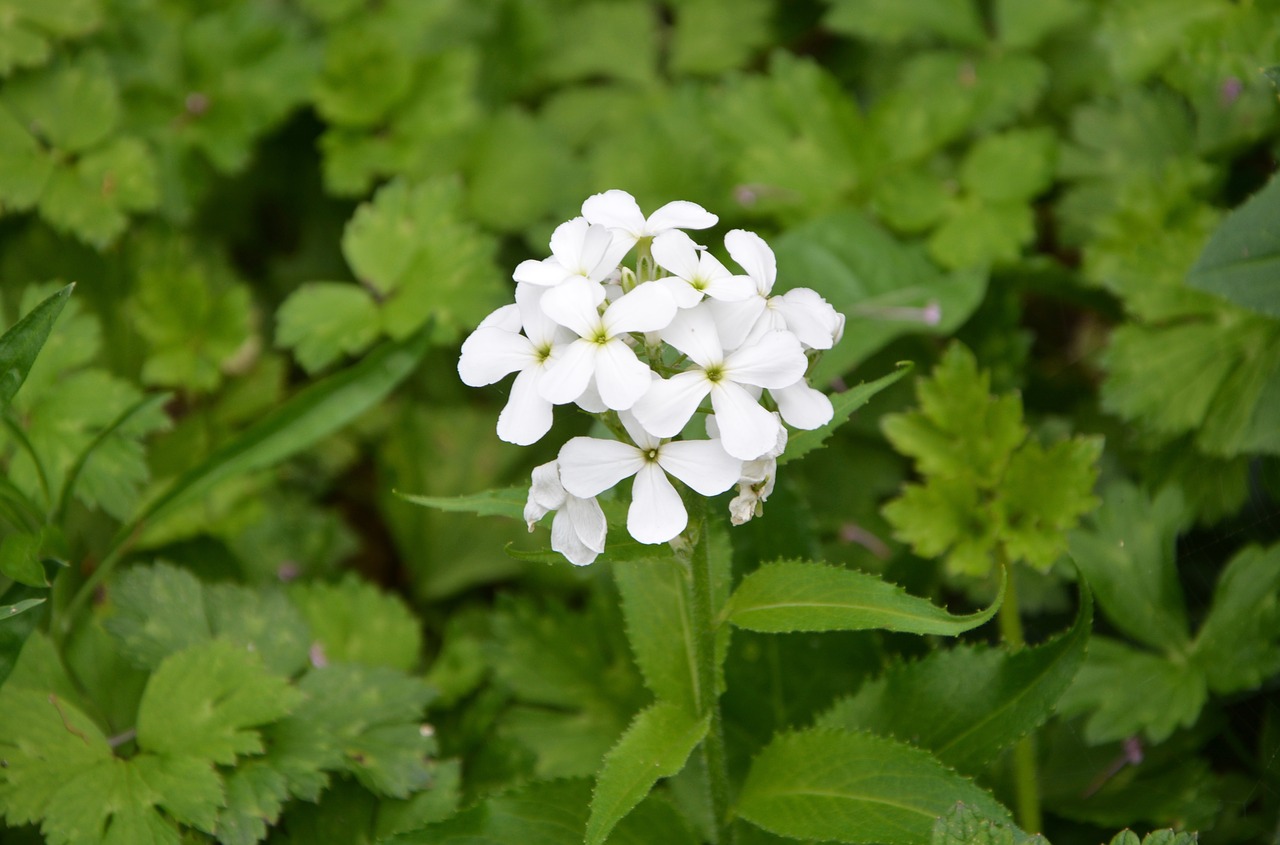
{"points": [[754, 256], [538, 327], [644, 440], [685, 294], [589, 465], [575, 305], [590, 400], [694, 332], [588, 521], [490, 353], [546, 273], [647, 308], [656, 514], [593, 261], [802, 406], [567, 243], [776, 360], [729, 288], [676, 253], [702, 464], [616, 210], [736, 319], [566, 541], [507, 317], [569, 374], [621, 377], [680, 214], [809, 317], [746, 429], [527, 416], [546, 494], [669, 403]]}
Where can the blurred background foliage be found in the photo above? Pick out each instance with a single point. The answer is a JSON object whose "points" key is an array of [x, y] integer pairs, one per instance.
{"points": [[252, 194]]}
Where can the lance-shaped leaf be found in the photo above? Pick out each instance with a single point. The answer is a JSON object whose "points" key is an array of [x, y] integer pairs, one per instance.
{"points": [[853, 787], [964, 826], [802, 442], [506, 502], [313, 414], [967, 703], [1241, 262], [551, 813], [20, 345], [655, 603], [797, 595], [656, 745]]}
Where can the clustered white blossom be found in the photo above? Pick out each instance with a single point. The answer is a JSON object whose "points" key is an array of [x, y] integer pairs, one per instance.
{"points": [[646, 347]]}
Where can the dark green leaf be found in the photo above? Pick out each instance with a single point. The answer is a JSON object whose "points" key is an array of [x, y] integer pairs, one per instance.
{"points": [[20, 345], [964, 826], [508, 502], [655, 603], [1238, 646], [800, 443], [551, 813], [1241, 262]]}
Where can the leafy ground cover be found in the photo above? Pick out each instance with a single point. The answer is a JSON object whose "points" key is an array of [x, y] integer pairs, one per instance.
{"points": [[1024, 583]]}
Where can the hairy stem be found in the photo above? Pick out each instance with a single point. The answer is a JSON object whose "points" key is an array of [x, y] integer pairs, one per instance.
{"points": [[1026, 780]]}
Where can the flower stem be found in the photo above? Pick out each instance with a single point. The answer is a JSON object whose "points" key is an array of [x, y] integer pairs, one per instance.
{"points": [[703, 625], [1025, 778]]}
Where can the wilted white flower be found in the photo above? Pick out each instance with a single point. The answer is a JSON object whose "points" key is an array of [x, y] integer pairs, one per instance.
{"points": [[578, 528]]}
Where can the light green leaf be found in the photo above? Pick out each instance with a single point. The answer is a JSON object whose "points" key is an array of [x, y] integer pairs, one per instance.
{"points": [[804, 596], [826, 784], [655, 603], [157, 611], [886, 20], [1238, 646], [1010, 166], [964, 826], [979, 234], [551, 813], [22, 342], [1024, 25], [508, 502], [9, 611], [1241, 262], [255, 794], [1141, 35], [263, 621], [656, 745], [800, 443], [713, 36], [20, 559], [883, 286], [355, 622], [72, 106], [313, 414], [25, 165], [322, 321], [1044, 492], [1127, 554], [616, 40], [366, 74], [967, 703], [1125, 692], [207, 700]]}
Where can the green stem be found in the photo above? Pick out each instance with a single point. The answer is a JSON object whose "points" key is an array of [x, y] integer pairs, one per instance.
{"points": [[1025, 778], [703, 625]]}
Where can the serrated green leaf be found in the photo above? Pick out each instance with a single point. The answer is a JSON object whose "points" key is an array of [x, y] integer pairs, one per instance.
{"points": [[965, 826], [29, 27], [1170, 695], [518, 170], [157, 611], [1127, 554], [206, 701], [803, 596], [1155, 837], [550, 813], [25, 166], [1010, 166], [355, 622], [826, 784], [967, 703], [1140, 36], [323, 321], [655, 602], [1024, 25], [1044, 492], [366, 74], [255, 794], [888, 288], [314, 413], [72, 106], [21, 343], [979, 234], [617, 40], [1238, 646], [508, 502], [956, 21], [263, 621], [655, 746], [1241, 262], [801, 443], [713, 36]]}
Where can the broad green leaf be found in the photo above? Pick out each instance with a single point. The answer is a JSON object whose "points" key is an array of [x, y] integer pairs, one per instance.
{"points": [[206, 701], [886, 20], [313, 414], [1241, 262], [549, 813], [853, 787], [1170, 695], [656, 745], [323, 321], [979, 234], [1141, 35], [803, 596], [713, 36], [801, 443], [30, 28], [1127, 554], [1044, 492], [964, 826], [255, 794], [23, 341], [157, 611], [1238, 646], [73, 106], [92, 198], [617, 40], [1024, 25], [366, 73], [355, 622], [20, 559], [1010, 166], [25, 165], [519, 170], [967, 703], [1155, 837], [945, 517], [885, 288], [262, 621], [656, 603], [507, 502]]}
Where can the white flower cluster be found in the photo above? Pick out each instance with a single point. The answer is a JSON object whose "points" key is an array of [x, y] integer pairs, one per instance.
{"points": [[645, 348]]}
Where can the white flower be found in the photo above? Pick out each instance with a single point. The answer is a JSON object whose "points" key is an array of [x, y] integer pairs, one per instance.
{"points": [[695, 272], [578, 528], [589, 466], [756, 483], [619, 211], [496, 349], [578, 250], [748, 430], [802, 406], [802, 311], [600, 354]]}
